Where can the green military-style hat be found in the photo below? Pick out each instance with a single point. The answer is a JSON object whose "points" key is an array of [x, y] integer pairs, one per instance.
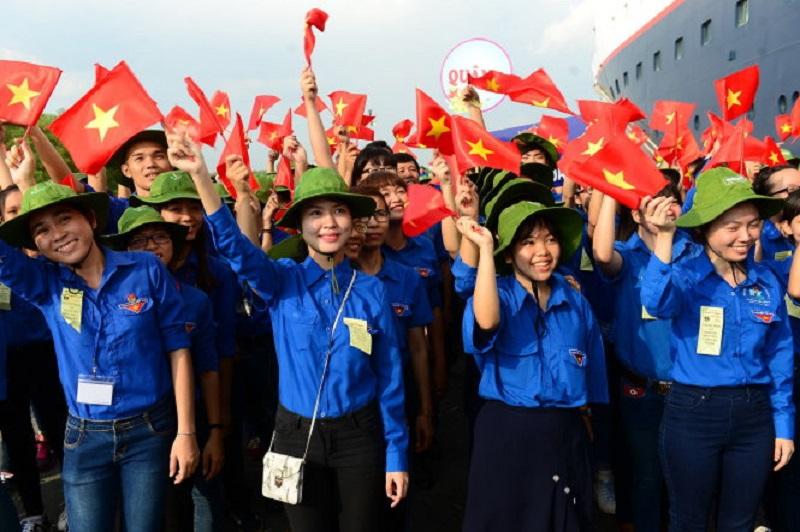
{"points": [[137, 217], [530, 140], [48, 194], [483, 174], [265, 181], [568, 222], [325, 183], [719, 190], [511, 193], [492, 185], [169, 186]]}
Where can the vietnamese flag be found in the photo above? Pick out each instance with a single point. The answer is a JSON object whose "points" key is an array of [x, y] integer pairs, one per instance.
{"points": [[795, 116], [285, 175], [221, 104], [348, 108], [361, 132], [783, 126], [433, 125], [773, 156], [108, 115], [736, 92], [494, 81], [617, 115], [261, 105], [736, 147], [615, 166], [679, 147], [25, 89], [637, 135], [179, 119], [669, 114], [236, 145], [554, 130], [318, 103], [425, 209], [402, 130], [540, 91], [315, 18], [271, 135], [100, 72], [210, 125], [474, 146]]}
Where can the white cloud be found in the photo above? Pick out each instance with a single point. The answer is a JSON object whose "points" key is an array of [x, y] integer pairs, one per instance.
{"points": [[574, 29]]}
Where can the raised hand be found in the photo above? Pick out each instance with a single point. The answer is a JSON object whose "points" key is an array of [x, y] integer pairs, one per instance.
{"points": [[475, 233], [467, 200], [658, 213], [184, 153], [308, 85]]}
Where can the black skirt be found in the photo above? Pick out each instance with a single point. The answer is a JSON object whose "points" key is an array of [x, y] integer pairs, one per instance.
{"points": [[529, 471]]}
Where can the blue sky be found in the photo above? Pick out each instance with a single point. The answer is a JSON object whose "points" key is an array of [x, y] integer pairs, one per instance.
{"points": [[384, 48]]}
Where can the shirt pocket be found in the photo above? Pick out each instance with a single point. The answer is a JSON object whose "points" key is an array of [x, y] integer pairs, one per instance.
{"points": [[568, 371]]}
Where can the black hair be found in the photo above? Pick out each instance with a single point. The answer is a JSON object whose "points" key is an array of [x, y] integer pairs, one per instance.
{"points": [[791, 207], [380, 155], [4, 194], [205, 279], [672, 175], [381, 144], [525, 148], [529, 225], [671, 190], [383, 178], [761, 180], [398, 158], [367, 189]]}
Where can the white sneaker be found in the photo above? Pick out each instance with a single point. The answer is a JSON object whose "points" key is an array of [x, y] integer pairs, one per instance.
{"points": [[62, 525], [34, 523], [762, 528], [604, 492]]}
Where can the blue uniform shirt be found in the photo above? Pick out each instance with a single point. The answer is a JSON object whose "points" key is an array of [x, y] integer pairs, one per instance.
{"points": [[781, 270], [25, 324], [201, 328], [641, 342], [407, 297], [129, 325], [775, 246], [419, 253], [303, 307], [3, 337], [224, 297], [562, 365], [756, 338]]}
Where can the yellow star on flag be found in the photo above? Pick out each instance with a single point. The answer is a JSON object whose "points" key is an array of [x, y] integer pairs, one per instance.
{"points": [[103, 120], [352, 129], [670, 117], [477, 148], [786, 128], [773, 158], [261, 112], [617, 179], [221, 110], [437, 127], [593, 147], [733, 98], [22, 93], [542, 103], [554, 141], [492, 85], [340, 105]]}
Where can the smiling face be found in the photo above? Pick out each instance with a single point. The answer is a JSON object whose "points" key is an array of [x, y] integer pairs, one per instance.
{"points": [[186, 212], [63, 234], [396, 198], [155, 239], [535, 253], [145, 161], [408, 171], [378, 224], [326, 225], [734, 232]]}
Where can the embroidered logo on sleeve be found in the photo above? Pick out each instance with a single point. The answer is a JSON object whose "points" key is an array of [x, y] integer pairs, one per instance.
{"points": [[134, 304], [580, 357], [766, 317], [424, 272]]}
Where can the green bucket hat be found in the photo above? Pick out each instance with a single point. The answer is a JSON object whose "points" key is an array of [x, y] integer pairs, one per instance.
{"points": [[720, 189], [492, 185], [511, 193], [530, 140], [48, 194], [265, 181], [568, 222], [483, 174], [324, 183], [137, 217], [169, 186]]}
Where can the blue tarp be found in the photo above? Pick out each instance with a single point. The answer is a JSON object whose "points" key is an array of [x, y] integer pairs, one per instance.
{"points": [[576, 127]]}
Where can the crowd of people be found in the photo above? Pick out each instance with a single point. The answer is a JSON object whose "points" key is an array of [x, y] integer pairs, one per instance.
{"points": [[160, 329]]}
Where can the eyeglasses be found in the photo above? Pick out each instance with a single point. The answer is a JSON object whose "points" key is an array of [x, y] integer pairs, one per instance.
{"points": [[360, 225], [787, 190], [369, 170], [140, 242], [381, 215]]}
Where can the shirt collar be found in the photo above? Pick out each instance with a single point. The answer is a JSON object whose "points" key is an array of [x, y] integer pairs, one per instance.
{"points": [[312, 272], [113, 261], [702, 268], [518, 295], [389, 270]]}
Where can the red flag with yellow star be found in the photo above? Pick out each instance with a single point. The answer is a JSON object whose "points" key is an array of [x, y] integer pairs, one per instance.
{"points": [[637, 135], [210, 126], [315, 18], [494, 81], [318, 103], [795, 116], [402, 130], [285, 175], [678, 147], [179, 119], [348, 108], [669, 115], [474, 146], [736, 147], [783, 126], [24, 91], [261, 105], [774, 155], [425, 209], [108, 115], [271, 134], [540, 91], [736, 92], [100, 72], [221, 104], [236, 145], [613, 165], [617, 115], [554, 130], [433, 126]]}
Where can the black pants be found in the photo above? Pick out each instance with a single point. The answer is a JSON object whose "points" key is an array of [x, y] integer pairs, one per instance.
{"points": [[343, 483], [32, 376]]}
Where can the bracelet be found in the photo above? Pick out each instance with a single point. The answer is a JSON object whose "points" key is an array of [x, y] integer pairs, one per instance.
{"points": [[186, 433]]}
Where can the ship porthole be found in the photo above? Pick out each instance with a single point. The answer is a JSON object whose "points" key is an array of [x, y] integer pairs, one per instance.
{"points": [[782, 104]]}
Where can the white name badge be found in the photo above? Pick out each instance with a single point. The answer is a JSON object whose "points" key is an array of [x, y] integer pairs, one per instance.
{"points": [[94, 390], [709, 337]]}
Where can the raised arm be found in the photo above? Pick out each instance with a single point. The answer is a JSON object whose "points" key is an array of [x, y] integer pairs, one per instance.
{"points": [[485, 302], [55, 165], [246, 205], [605, 256], [316, 131]]}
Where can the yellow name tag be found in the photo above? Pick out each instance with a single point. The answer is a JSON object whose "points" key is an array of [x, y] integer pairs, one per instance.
{"points": [[5, 297], [783, 255], [646, 315], [586, 262], [72, 307], [709, 337], [360, 338], [792, 308]]}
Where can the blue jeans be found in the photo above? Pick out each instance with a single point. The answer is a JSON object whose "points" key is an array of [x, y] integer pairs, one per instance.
{"points": [[8, 513], [641, 419], [716, 443], [127, 459]]}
